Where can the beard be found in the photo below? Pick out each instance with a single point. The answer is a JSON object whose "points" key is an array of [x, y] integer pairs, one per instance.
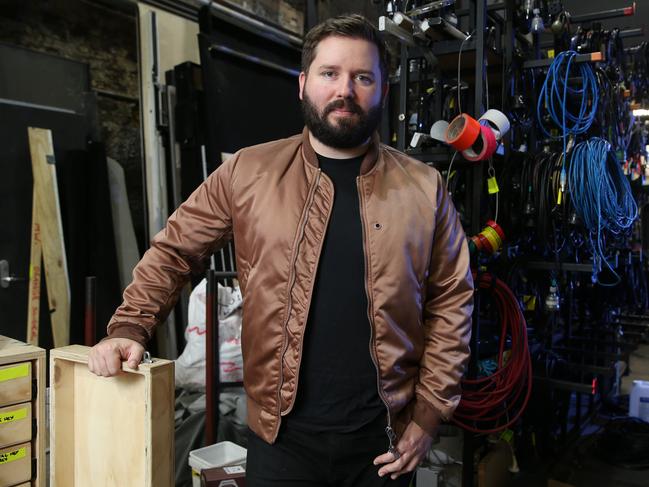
{"points": [[346, 132]]}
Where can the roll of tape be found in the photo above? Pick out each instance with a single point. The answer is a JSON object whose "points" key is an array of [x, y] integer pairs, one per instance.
{"points": [[493, 237], [462, 132], [485, 244], [486, 149], [496, 227], [498, 121], [438, 130]]}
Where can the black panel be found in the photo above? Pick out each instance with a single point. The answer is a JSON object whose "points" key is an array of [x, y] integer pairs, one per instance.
{"points": [[246, 103]]}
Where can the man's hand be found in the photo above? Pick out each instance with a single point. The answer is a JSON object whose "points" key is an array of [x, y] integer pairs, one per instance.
{"points": [[106, 357], [413, 446]]}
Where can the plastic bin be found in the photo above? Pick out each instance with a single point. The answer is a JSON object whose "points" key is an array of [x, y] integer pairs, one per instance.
{"points": [[639, 400], [220, 454]]}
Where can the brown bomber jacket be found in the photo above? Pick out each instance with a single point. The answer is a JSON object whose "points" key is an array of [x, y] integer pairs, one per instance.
{"points": [[275, 202]]}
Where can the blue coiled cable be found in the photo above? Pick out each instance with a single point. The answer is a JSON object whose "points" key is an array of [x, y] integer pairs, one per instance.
{"points": [[556, 93], [601, 194]]}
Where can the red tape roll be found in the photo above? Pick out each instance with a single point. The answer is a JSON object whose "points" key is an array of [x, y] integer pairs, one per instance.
{"points": [[489, 146], [462, 132]]}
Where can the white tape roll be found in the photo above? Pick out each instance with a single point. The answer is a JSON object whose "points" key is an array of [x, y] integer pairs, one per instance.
{"points": [[498, 121], [438, 130]]}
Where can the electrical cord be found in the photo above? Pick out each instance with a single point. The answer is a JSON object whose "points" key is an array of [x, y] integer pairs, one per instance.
{"points": [[495, 402], [601, 196]]}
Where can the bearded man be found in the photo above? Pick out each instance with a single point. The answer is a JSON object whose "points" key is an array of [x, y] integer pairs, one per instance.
{"points": [[355, 274]]}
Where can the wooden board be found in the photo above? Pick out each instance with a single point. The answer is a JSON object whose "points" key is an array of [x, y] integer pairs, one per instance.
{"points": [[15, 464], [110, 431], [49, 217], [15, 424], [12, 351], [493, 469], [15, 383], [34, 290]]}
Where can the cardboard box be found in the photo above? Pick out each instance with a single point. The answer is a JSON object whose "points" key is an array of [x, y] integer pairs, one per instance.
{"points": [[223, 477], [119, 428]]}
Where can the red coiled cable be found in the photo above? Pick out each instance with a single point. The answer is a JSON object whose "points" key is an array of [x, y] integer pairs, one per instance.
{"points": [[493, 403]]}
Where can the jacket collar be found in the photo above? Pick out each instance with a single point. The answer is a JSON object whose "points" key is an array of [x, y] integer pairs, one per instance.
{"points": [[369, 161]]}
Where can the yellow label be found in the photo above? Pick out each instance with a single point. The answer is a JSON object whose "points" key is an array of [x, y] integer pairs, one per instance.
{"points": [[507, 436], [16, 372], [12, 456], [559, 197], [492, 185], [529, 302], [550, 53], [10, 416]]}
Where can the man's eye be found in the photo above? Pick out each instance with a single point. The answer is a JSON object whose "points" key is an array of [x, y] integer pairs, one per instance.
{"points": [[364, 79], [328, 74]]}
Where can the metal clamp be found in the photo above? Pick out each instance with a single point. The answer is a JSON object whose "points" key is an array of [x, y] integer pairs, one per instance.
{"points": [[146, 358]]}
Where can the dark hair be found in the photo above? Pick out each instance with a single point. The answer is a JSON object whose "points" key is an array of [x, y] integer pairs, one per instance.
{"points": [[349, 25]]}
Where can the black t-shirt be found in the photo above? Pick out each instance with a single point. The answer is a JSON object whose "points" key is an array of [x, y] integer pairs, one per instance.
{"points": [[338, 388]]}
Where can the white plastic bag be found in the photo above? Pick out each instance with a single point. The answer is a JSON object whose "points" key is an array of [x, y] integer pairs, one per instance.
{"points": [[190, 366]]}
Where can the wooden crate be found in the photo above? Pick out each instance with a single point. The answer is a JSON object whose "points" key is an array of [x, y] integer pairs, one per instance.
{"points": [[15, 354], [116, 431]]}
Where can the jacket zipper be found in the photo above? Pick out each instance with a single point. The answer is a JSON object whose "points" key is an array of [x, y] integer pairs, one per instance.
{"points": [[309, 202], [388, 429]]}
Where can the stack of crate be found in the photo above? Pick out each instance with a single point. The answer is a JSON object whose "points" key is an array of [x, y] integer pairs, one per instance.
{"points": [[22, 414]]}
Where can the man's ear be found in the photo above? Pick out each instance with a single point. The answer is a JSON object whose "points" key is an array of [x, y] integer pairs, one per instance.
{"points": [[302, 82]]}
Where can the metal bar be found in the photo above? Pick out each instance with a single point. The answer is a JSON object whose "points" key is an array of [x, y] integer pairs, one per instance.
{"points": [[604, 14], [388, 26], [565, 385], [261, 28], [429, 7], [586, 267], [253, 59], [637, 32], [403, 99], [463, 12], [90, 315], [212, 376]]}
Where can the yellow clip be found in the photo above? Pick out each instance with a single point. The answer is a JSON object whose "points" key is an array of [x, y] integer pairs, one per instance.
{"points": [[12, 456], [550, 53], [560, 197], [492, 185], [507, 436], [529, 302], [16, 372], [10, 416]]}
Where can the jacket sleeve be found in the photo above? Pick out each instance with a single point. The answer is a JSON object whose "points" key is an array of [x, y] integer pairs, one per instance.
{"points": [[447, 319], [200, 226]]}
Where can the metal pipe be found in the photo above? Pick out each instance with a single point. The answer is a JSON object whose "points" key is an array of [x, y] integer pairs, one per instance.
{"points": [[253, 59], [212, 376], [604, 14], [258, 26], [429, 7]]}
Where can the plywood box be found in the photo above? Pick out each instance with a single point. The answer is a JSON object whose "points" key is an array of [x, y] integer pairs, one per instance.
{"points": [[26, 364], [109, 432]]}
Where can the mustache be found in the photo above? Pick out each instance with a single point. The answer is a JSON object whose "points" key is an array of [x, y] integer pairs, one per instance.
{"points": [[342, 104]]}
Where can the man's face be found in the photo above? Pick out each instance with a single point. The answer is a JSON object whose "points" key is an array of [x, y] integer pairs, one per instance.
{"points": [[342, 94]]}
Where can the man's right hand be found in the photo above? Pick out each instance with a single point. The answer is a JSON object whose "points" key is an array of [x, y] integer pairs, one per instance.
{"points": [[106, 357]]}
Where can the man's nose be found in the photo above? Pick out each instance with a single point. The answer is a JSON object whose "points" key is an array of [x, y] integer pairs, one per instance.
{"points": [[346, 87]]}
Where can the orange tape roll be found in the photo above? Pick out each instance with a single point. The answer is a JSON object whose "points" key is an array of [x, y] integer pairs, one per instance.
{"points": [[462, 132]]}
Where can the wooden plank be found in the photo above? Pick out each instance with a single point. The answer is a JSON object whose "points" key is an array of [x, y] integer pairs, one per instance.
{"points": [[15, 424], [49, 216], [34, 291], [90, 417], [493, 469]]}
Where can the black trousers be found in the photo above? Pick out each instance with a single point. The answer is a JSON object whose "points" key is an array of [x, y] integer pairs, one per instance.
{"points": [[304, 459]]}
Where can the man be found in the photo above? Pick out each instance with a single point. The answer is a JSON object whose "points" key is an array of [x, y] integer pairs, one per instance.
{"points": [[355, 275]]}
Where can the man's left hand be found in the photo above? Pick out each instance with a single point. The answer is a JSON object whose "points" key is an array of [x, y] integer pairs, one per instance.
{"points": [[412, 447]]}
